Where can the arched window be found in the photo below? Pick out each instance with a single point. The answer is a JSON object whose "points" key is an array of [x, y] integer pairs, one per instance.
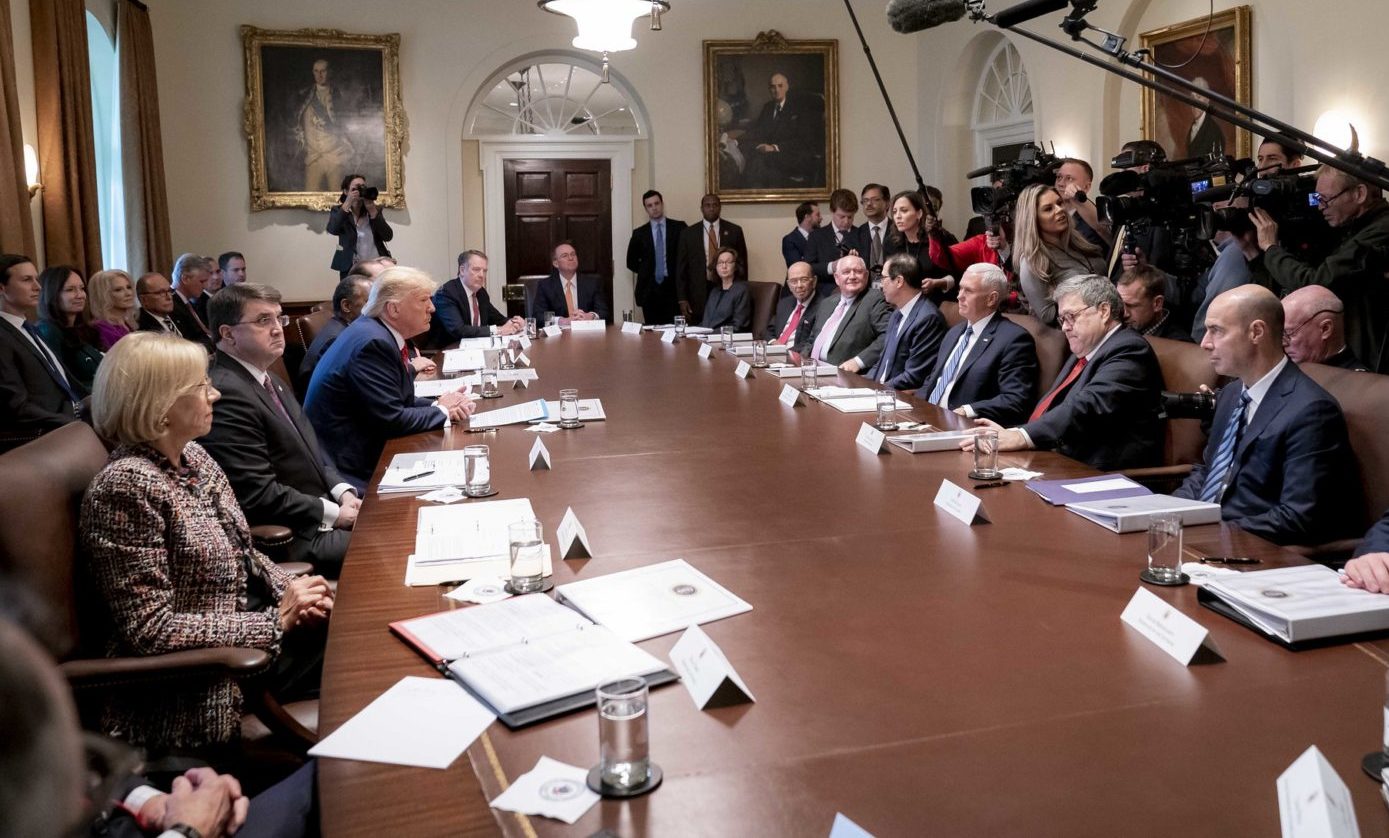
{"points": [[1003, 117], [553, 96]]}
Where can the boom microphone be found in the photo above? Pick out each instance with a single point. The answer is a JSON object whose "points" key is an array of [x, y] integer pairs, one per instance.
{"points": [[908, 16], [1028, 10]]}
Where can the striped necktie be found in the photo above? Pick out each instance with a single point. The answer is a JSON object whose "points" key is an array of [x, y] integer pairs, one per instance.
{"points": [[952, 366], [1223, 461]]}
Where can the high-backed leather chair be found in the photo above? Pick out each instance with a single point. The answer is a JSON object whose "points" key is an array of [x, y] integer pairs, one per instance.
{"points": [[1185, 367], [1052, 349], [1364, 398], [309, 325], [950, 310], [764, 299]]}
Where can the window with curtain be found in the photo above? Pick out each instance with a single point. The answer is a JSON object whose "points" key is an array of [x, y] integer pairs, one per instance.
{"points": [[106, 125]]}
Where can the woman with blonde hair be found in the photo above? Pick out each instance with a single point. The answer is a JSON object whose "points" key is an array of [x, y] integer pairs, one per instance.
{"points": [[172, 555], [1047, 248], [111, 301]]}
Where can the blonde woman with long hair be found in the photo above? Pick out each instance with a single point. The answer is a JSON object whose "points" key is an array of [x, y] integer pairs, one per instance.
{"points": [[111, 301], [1047, 248]]}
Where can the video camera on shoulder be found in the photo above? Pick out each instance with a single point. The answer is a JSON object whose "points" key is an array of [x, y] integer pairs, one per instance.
{"points": [[995, 204]]}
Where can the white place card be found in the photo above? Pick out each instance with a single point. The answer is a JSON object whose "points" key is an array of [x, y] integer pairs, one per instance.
{"points": [[551, 331], [845, 828], [871, 439], [525, 341], [514, 353], [959, 504], [1172, 631], [743, 370], [790, 396], [587, 325], [523, 359], [540, 456], [521, 384], [573, 541], [1313, 801], [706, 351], [631, 327], [668, 336], [706, 672]]}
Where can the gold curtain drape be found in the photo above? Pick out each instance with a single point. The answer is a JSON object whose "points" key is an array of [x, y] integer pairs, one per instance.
{"points": [[67, 154], [16, 225], [148, 245]]}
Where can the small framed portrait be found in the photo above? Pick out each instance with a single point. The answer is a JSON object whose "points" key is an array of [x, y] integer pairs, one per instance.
{"points": [[320, 105], [1212, 53], [771, 118]]}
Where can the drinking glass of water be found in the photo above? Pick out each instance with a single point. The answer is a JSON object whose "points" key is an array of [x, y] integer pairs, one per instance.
{"points": [[527, 556], [1164, 551], [810, 370], [759, 354], [477, 471], [569, 408], [624, 749], [679, 326], [726, 337]]}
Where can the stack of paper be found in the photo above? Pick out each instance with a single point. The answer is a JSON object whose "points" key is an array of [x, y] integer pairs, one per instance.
{"points": [[590, 410], [653, 600], [822, 370], [1133, 514], [422, 472], [1301, 603], [459, 360], [744, 350], [853, 399], [532, 411], [426, 722], [931, 441], [689, 330], [453, 543]]}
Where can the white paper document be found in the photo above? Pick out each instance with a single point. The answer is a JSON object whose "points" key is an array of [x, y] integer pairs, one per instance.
{"points": [[650, 601], [590, 410], [745, 350], [930, 441], [1313, 800], [1110, 485], [425, 722], [794, 371], [1302, 603], [493, 342], [551, 789], [475, 379], [435, 387], [450, 635], [459, 360], [532, 411], [422, 471], [454, 543], [860, 404]]}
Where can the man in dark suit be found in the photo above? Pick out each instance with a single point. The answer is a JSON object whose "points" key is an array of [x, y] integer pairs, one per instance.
{"points": [[462, 308], [1103, 408], [261, 438], [363, 391], [872, 233], [795, 245], [784, 144], [568, 293], [836, 239], [1143, 290], [162, 311], [1278, 460], [349, 298], [987, 364], [190, 278], [699, 245], [34, 389], [794, 307], [653, 255], [914, 330], [846, 329]]}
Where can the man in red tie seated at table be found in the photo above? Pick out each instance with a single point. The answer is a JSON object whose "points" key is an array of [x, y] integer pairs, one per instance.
{"points": [[791, 310], [1103, 408]]}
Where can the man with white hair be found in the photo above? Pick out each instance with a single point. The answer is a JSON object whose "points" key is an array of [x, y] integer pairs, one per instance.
{"points": [[987, 364], [363, 392], [1314, 330]]}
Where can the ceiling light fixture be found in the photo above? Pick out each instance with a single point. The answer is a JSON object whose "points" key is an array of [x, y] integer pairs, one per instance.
{"points": [[606, 25]]}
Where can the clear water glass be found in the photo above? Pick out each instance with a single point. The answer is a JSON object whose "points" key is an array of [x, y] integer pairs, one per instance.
{"points": [[679, 326], [624, 743], [569, 408], [527, 543], [477, 470]]}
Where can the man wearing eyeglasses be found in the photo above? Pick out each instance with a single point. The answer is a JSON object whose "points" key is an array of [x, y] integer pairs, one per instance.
{"points": [[159, 314], [1354, 271], [1103, 407], [262, 439], [1315, 329]]}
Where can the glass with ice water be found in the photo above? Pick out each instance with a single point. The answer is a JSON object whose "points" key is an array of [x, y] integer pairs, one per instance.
{"points": [[1165, 549], [759, 354], [986, 455], [810, 370], [726, 337], [886, 402], [569, 408], [477, 471], [624, 747], [531, 331], [679, 326], [527, 556]]}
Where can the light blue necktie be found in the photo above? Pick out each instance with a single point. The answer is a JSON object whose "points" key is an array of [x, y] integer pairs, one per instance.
{"points": [[891, 348], [1224, 458], [660, 251], [952, 366]]}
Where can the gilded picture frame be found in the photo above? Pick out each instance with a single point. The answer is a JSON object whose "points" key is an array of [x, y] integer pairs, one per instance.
{"points": [[771, 119], [322, 104], [1221, 58]]}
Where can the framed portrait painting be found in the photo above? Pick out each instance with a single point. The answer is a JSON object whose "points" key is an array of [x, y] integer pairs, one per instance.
{"points": [[1213, 53], [322, 104], [771, 118]]}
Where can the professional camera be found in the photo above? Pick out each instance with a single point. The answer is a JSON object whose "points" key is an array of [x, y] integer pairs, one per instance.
{"points": [[995, 204], [1188, 405], [368, 193], [1288, 197]]}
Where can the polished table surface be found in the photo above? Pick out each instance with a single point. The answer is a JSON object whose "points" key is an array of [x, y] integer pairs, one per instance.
{"points": [[916, 674]]}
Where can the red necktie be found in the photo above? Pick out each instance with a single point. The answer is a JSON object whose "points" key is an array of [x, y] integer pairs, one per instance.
{"points": [[1051, 397], [790, 330], [405, 356]]}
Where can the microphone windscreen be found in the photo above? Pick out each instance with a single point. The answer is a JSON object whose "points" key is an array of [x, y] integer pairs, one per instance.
{"points": [[908, 16]]}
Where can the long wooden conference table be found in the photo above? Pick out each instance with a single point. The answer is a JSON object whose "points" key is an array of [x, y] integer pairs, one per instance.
{"points": [[921, 676]]}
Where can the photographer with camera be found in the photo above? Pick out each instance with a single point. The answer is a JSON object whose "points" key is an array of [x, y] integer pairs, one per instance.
{"points": [[357, 222], [1073, 180], [1048, 249], [1354, 270]]}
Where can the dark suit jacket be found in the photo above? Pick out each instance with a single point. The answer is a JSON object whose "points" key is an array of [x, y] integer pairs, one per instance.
{"points": [[1108, 417], [998, 378], [860, 334], [276, 469], [824, 250], [1294, 478], [187, 327], [198, 307], [692, 283], [453, 314], [798, 132], [361, 395], [34, 401], [784, 308], [320, 344], [342, 225], [729, 308], [795, 247], [1377, 539], [914, 352], [588, 292], [641, 256]]}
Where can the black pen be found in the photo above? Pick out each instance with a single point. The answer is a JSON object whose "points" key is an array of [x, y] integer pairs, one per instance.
{"points": [[992, 485], [1229, 560], [418, 476]]}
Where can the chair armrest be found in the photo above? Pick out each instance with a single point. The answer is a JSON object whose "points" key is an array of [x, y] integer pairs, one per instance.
{"points": [[1334, 553], [223, 660], [296, 568], [272, 535], [1157, 472]]}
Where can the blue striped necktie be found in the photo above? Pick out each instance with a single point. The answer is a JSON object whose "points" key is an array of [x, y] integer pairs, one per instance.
{"points": [[890, 350], [952, 366], [1224, 458]]}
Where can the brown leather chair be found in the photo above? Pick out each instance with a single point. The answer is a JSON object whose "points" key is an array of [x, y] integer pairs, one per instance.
{"points": [[1052, 349], [41, 550], [309, 325], [1185, 367], [1364, 398], [950, 310], [764, 299]]}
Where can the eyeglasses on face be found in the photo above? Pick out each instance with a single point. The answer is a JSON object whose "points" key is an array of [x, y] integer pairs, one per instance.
{"points": [[265, 321], [1068, 319], [1289, 334], [167, 292], [1324, 201]]}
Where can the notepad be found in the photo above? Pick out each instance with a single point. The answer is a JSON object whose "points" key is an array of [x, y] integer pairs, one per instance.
{"points": [[458, 360]]}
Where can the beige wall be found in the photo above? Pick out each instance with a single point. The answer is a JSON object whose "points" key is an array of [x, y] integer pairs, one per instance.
{"points": [[24, 82]]}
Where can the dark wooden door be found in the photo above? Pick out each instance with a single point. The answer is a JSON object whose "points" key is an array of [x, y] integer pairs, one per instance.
{"points": [[549, 201]]}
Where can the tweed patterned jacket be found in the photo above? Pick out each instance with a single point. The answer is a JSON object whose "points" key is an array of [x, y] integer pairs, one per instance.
{"points": [[170, 552]]}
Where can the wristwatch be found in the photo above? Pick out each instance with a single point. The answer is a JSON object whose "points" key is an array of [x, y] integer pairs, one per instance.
{"points": [[185, 830]]}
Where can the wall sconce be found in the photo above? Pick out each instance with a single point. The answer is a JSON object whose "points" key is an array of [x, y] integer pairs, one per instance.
{"points": [[1338, 128], [31, 170]]}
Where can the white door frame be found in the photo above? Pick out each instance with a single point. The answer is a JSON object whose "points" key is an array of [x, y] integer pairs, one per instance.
{"points": [[621, 154]]}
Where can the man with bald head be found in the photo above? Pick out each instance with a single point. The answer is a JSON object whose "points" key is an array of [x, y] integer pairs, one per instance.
{"points": [[792, 308], [782, 143], [1315, 330], [1278, 460]]}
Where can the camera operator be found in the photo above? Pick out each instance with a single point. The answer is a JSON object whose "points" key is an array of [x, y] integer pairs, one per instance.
{"points": [[1049, 249], [357, 221], [1073, 180], [1273, 156], [1354, 270]]}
